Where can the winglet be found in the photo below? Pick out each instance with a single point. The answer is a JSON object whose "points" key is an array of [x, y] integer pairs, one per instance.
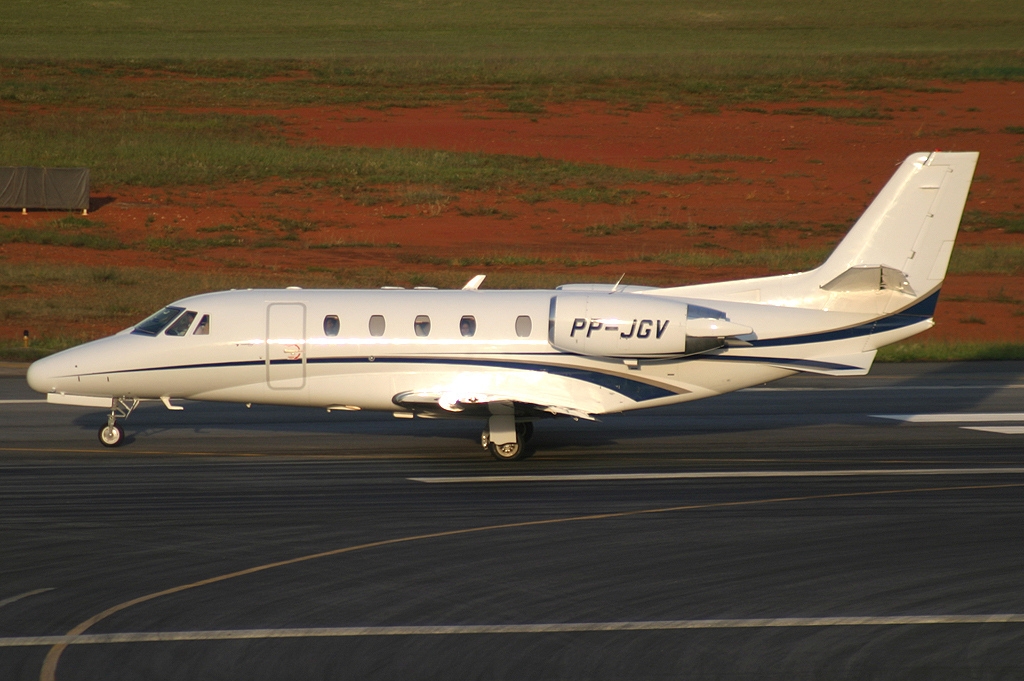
{"points": [[474, 283]]}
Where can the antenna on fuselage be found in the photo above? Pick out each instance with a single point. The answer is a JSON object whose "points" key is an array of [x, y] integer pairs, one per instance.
{"points": [[616, 287], [474, 283]]}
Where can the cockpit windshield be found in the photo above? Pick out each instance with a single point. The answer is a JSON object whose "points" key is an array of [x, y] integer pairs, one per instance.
{"points": [[181, 324], [154, 324]]}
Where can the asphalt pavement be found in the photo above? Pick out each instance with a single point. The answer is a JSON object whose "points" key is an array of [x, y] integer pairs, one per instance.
{"points": [[812, 528]]}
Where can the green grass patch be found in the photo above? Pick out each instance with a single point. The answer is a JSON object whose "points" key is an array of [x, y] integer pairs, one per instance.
{"points": [[765, 228], [169, 149], [598, 194], [987, 260], [627, 226], [949, 351], [480, 211], [427, 195], [54, 237], [173, 243], [71, 230], [520, 37], [720, 158], [491, 260], [352, 244], [979, 220], [869, 113], [523, 54]]}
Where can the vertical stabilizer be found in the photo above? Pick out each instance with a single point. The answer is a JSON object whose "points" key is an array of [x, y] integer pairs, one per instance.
{"points": [[895, 254], [912, 223]]}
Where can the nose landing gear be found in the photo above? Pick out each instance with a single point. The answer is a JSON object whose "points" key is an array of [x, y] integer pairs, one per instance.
{"points": [[112, 435]]}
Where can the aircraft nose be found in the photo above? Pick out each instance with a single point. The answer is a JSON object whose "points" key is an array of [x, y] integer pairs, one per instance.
{"points": [[45, 375]]}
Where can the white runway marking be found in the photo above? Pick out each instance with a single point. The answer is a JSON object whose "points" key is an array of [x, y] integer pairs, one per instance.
{"points": [[1002, 430], [687, 475], [476, 629], [12, 599], [1012, 417], [951, 418], [1012, 386]]}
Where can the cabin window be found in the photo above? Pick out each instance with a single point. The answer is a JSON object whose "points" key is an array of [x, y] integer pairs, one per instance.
{"points": [[467, 326], [422, 325], [524, 326], [155, 323], [377, 325], [331, 325], [203, 327], [181, 324]]}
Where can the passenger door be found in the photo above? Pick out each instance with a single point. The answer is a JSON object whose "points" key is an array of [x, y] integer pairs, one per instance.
{"points": [[286, 346]]}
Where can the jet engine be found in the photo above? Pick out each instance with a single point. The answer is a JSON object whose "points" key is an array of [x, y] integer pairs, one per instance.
{"points": [[635, 326]]}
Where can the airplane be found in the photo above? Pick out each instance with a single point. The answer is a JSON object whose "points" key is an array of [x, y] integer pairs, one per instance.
{"points": [[511, 357]]}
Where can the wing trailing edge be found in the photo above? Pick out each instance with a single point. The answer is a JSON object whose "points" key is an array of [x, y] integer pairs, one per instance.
{"points": [[454, 403]]}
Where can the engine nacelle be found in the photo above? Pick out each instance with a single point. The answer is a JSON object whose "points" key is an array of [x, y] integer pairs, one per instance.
{"points": [[617, 325], [636, 326]]}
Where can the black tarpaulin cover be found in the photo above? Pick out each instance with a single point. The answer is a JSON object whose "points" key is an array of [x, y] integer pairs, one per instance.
{"points": [[56, 188]]}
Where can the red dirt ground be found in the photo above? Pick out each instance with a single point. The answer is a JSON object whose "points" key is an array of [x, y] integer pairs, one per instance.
{"points": [[817, 170]]}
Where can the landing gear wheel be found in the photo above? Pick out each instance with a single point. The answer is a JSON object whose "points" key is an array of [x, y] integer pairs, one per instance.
{"points": [[510, 451], [111, 435], [524, 430]]}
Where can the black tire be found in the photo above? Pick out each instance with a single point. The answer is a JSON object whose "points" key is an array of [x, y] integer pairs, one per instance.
{"points": [[111, 436], [508, 452]]}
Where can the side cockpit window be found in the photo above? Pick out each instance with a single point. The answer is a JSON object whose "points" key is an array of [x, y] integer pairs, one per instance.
{"points": [[181, 324], [154, 324], [203, 327]]}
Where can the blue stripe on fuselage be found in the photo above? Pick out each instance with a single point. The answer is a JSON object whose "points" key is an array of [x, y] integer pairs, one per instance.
{"points": [[633, 389]]}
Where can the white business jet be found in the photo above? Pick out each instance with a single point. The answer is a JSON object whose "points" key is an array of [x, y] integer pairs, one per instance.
{"points": [[512, 357]]}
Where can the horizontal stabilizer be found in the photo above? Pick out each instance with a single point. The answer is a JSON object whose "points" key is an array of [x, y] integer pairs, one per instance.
{"points": [[856, 364], [871, 278]]}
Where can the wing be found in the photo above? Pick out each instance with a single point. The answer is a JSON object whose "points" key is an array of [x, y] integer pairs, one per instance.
{"points": [[481, 405]]}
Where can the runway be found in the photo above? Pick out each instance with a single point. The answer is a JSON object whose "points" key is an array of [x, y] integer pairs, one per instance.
{"points": [[813, 528]]}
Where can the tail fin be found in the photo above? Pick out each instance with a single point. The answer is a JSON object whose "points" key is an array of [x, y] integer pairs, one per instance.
{"points": [[899, 246], [906, 234]]}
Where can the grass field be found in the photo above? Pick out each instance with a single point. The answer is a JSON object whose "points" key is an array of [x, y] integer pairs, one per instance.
{"points": [[520, 40], [169, 149]]}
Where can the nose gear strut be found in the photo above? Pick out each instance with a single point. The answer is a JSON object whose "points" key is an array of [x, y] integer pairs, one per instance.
{"points": [[112, 435]]}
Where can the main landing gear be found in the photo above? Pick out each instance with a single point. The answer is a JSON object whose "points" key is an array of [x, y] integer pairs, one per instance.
{"points": [[506, 439], [112, 435]]}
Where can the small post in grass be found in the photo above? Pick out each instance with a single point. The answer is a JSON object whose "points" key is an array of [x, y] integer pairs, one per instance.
{"points": [[25, 338]]}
